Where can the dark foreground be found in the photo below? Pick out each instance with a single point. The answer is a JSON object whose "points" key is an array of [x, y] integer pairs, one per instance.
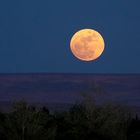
{"points": [[81, 122], [108, 107]]}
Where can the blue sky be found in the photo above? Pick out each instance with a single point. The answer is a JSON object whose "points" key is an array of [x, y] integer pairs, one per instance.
{"points": [[35, 35]]}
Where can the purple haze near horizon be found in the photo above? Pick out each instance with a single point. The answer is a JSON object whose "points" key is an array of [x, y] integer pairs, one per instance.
{"points": [[67, 88]]}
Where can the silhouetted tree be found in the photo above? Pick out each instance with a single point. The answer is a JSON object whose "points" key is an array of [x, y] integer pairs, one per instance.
{"points": [[2, 131], [27, 123], [134, 129]]}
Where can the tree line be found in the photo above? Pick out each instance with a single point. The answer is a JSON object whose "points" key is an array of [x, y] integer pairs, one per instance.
{"points": [[80, 122]]}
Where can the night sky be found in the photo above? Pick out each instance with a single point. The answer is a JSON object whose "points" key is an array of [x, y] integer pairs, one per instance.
{"points": [[35, 35]]}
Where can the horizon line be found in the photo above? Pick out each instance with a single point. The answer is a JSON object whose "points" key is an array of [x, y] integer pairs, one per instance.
{"points": [[65, 73]]}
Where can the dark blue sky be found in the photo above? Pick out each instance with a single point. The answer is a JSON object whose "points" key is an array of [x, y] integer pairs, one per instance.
{"points": [[35, 35]]}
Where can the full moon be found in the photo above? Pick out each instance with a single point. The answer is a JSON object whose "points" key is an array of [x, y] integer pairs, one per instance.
{"points": [[87, 44]]}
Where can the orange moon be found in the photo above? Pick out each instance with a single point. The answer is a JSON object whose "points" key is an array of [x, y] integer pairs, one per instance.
{"points": [[87, 44]]}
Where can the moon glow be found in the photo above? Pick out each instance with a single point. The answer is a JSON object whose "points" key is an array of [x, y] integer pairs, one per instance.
{"points": [[87, 44]]}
